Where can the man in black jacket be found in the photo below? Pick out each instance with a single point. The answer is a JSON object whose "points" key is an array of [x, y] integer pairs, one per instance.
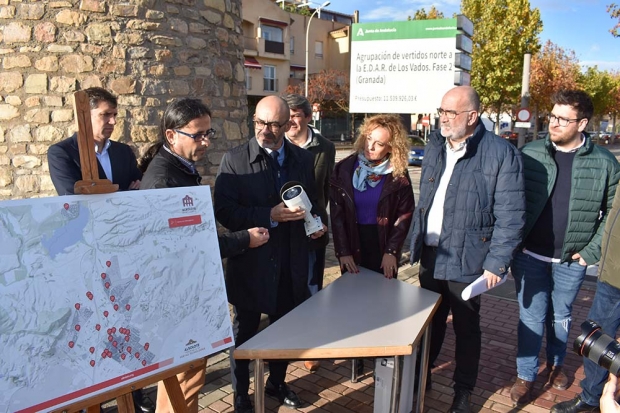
{"points": [[271, 279], [170, 163], [116, 161]]}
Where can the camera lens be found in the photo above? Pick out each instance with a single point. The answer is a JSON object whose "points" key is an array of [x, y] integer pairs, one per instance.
{"points": [[291, 193], [597, 346]]}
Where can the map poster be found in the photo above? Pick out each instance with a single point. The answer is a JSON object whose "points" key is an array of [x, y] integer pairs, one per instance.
{"points": [[402, 66], [98, 291]]}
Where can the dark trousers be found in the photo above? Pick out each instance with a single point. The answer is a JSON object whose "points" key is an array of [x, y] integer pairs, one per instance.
{"points": [[248, 327], [465, 321], [319, 267]]}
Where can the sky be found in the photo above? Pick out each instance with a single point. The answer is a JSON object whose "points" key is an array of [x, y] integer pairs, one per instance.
{"points": [[579, 25]]}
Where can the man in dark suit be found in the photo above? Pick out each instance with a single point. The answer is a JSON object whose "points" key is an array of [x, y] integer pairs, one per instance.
{"points": [[273, 278], [116, 161]]}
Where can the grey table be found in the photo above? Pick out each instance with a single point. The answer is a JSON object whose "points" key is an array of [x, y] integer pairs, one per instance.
{"points": [[358, 315]]}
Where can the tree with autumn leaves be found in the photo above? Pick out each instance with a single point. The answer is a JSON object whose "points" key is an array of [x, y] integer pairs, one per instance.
{"points": [[329, 88], [504, 30]]}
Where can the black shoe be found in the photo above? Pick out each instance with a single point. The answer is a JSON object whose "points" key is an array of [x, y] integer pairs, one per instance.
{"points": [[141, 403], [286, 396], [574, 406], [243, 404], [461, 402]]}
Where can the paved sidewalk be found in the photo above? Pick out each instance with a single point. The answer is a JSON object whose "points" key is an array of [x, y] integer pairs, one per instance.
{"points": [[330, 388]]}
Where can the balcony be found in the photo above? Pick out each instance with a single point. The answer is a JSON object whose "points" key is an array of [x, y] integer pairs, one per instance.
{"points": [[250, 46], [273, 50], [274, 47]]}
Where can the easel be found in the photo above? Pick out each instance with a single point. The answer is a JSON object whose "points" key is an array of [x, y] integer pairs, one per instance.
{"points": [[91, 184]]}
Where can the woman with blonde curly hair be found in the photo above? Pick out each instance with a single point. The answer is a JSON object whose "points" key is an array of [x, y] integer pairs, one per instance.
{"points": [[371, 198]]}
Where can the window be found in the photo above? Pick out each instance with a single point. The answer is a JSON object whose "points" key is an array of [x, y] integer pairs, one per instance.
{"points": [[318, 50], [292, 44], [269, 79], [248, 79], [271, 33]]}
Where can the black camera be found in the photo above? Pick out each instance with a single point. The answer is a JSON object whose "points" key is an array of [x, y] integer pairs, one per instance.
{"points": [[598, 347]]}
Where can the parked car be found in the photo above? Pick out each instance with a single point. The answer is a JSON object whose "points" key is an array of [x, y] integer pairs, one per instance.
{"points": [[416, 151], [513, 137]]}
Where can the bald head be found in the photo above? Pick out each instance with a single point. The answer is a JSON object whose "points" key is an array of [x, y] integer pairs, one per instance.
{"points": [[463, 103], [273, 114]]}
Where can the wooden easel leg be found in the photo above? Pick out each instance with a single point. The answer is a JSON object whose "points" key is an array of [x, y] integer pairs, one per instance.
{"points": [[125, 403], [177, 400]]}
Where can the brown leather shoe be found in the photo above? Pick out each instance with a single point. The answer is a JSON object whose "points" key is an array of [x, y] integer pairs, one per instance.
{"points": [[521, 392], [312, 365], [557, 378]]}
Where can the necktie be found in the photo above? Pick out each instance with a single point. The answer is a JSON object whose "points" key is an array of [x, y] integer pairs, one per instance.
{"points": [[274, 156]]}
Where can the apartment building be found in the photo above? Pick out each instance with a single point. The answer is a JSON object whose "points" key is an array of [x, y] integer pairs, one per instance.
{"points": [[275, 45]]}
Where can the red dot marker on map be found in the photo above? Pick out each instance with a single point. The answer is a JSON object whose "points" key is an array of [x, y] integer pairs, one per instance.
{"points": [[103, 275], [121, 330], [115, 307], [114, 344], [129, 349], [77, 327], [92, 350], [110, 338], [127, 339], [98, 327], [112, 298], [66, 206], [104, 354], [108, 263], [123, 356], [127, 307], [107, 285], [113, 329], [137, 276], [109, 331], [144, 362], [146, 346], [92, 363], [137, 355], [89, 295], [71, 344], [77, 306], [105, 313]]}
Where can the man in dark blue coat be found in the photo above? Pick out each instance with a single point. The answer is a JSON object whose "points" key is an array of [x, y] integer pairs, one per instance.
{"points": [[271, 279], [468, 223], [116, 161]]}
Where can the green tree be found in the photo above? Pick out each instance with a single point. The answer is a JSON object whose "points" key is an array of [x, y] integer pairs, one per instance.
{"points": [[432, 14], [504, 30], [600, 85], [614, 12]]}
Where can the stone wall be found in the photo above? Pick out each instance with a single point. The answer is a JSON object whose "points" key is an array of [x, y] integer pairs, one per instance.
{"points": [[147, 52]]}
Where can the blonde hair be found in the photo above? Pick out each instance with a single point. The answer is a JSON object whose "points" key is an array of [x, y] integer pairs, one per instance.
{"points": [[399, 143]]}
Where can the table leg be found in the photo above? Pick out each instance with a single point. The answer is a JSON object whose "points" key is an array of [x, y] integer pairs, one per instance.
{"points": [[354, 370], [396, 379], [259, 386], [426, 341]]}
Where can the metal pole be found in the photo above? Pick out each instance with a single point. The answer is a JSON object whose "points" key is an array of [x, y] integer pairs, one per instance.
{"points": [[525, 94], [318, 10], [259, 386], [396, 383]]}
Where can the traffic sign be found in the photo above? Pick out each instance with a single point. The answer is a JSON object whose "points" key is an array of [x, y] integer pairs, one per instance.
{"points": [[524, 115]]}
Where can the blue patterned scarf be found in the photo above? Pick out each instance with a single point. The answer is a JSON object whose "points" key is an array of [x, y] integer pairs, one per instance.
{"points": [[370, 172]]}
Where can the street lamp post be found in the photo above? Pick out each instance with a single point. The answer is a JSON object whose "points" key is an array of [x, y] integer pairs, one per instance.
{"points": [[318, 10]]}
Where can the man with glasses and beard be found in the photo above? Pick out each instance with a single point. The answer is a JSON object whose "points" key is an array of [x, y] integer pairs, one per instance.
{"points": [[570, 184], [271, 279], [467, 223]]}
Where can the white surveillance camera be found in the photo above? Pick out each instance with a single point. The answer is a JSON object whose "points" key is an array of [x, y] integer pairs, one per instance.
{"points": [[293, 195]]}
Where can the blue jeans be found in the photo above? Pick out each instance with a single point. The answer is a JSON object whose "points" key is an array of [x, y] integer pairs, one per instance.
{"points": [[605, 311], [546, 292]]}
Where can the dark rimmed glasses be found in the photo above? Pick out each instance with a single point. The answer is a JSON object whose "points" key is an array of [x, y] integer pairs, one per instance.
{"points": [[451, 114], [563, 122], [201, 136], [259, 124]]}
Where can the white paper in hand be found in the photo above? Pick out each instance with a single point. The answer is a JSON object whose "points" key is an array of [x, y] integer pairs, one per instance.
{"points": [[478, 287]]}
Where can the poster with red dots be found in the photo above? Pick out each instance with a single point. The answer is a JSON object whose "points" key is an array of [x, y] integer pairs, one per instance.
{"points": [[101, 290]]}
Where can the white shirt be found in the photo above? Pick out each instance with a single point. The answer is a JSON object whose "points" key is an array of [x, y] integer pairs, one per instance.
{"points": [[435, 214], [104, 159]]}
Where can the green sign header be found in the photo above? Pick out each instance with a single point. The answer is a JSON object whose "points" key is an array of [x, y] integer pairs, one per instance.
{"points": [[413, 29]]}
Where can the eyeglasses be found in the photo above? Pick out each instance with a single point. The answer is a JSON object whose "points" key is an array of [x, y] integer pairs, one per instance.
{"points": [[451, 114], [272, 126], [202, 136], [561, 121]]}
